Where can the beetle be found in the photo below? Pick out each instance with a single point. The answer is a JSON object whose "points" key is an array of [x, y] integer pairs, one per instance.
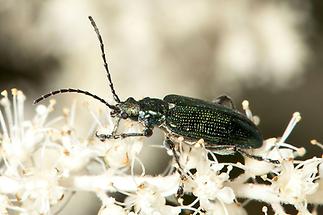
{"points": [[223, 129]]}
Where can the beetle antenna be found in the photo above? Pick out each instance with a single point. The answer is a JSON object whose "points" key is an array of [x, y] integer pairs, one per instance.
{"points": [[71, 90], [96, 29]]}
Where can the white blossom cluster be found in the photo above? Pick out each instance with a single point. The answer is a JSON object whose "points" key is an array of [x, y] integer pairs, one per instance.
{"points": [[44, 161]]}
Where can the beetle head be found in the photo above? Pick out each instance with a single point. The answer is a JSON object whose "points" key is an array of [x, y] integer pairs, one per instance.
{"points": [[127, 109]]}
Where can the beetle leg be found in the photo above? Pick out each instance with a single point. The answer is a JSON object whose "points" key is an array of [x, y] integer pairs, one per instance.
{"points": [[103, 137], [170, 145], [116, 126], [147, 132], [225, 101], [224, 150], [221, 149], [257, 157]]}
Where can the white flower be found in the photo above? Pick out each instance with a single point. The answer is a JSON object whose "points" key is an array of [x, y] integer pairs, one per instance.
{"points": [[208, 187], [109, 206], [149, 201], [219, 209], [41, 190], [119, 153], [111, 209], [28, 172], [275, 149], [122, 153], [41, 164], [32, 153], [19, 137], [208, 183], [294, 183], [5, 206]]}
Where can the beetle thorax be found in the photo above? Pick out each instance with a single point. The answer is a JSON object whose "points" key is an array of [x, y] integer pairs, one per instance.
{"points": [[148, 111], [152, 111]]}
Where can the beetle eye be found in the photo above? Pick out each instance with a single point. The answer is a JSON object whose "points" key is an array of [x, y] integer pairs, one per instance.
{"points": [[124, 115], [113, 113]]}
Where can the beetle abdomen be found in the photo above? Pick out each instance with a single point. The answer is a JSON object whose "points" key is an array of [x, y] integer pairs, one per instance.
{"points": [[215, 124]]}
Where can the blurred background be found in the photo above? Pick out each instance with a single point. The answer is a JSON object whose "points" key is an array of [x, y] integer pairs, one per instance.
{"points": [[268, 52]]}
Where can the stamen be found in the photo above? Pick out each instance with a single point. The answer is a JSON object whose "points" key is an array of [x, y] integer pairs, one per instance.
{"points": [[72, 114], [301, 151], [4, 93], [66, 113], [95, 117], [229, 169], [312, 160], [265, 210], [3, 126], [237, 165], [45, 111], [196, 211], [51, 105], [292, 123], [6, 104], [10, 169], [223, 206], [143, 170], [15, 115], [245, 107], [287, 146], [20, 105], [53, 121], [317, 143], [256, 120], [132, 167], [18, 209]]}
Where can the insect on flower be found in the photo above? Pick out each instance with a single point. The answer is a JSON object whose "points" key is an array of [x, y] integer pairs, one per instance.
{"points": [[221, 127]]}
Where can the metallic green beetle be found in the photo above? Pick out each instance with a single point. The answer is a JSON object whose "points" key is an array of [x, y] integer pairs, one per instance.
{"points": [[223, 129]]}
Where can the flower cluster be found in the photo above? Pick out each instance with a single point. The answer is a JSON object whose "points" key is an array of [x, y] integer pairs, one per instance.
{"points": [[44, 162]]}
